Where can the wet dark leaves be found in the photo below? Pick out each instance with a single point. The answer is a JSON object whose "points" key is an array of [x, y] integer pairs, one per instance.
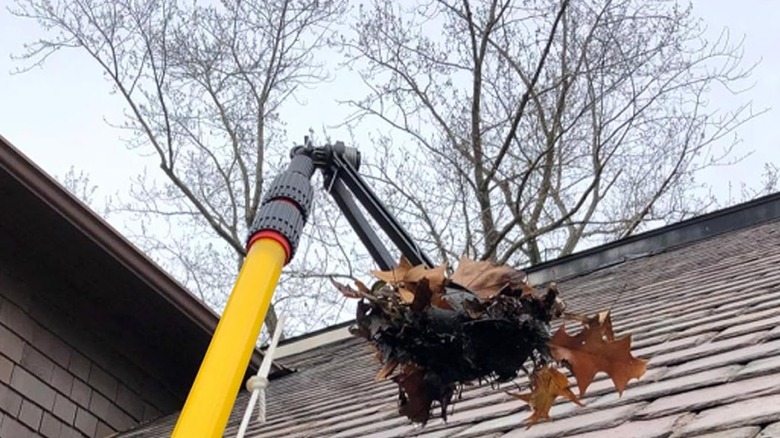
{"points": [[434, 333]]}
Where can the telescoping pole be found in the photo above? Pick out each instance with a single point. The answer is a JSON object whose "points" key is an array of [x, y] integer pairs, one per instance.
{"points": [[272, 243]]}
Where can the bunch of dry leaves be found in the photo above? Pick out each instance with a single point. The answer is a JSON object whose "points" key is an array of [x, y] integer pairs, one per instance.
{"points": [[434, 333]]}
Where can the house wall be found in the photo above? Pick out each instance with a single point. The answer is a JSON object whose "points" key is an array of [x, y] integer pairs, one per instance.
{"points": [[60, 376]]}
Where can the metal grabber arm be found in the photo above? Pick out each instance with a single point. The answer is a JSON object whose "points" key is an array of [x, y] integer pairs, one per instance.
{"points": [[271, 245]]}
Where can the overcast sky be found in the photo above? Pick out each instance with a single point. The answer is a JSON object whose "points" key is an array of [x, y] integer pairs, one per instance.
{"points": [[56, 115]]}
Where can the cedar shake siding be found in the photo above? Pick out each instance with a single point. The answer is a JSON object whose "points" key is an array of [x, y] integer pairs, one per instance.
{"points": [[62, 373]]}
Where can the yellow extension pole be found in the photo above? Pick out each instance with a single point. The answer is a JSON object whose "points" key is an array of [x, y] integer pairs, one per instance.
{"points": [[213, 393]]}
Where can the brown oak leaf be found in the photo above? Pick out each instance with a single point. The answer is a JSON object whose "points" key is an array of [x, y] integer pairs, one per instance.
{"points": [[405, 278], [594, 349], [395, 275], [406, 295], [547, 384], [600, 321], [603, 322], [485, 278], [435, 276]]}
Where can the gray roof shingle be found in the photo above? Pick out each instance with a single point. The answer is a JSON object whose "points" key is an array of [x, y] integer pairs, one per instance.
{"points": [[706, 314]]}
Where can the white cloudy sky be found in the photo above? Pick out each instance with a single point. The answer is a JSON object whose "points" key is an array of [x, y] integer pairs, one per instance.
{"points": [[56, 115]]}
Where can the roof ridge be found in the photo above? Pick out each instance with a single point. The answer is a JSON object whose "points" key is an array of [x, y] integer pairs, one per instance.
{"points": [[695, 229]]}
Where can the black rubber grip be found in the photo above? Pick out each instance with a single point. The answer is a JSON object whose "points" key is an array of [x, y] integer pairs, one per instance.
{"points": [[302, 164], [293, 186], [282, 217]]}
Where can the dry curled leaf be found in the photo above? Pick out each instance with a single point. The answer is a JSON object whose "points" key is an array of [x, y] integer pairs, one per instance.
{"points": [[486, 279], [422, 296], [362, 288], [602, 321], [386, 370], [406, 278], [407, 296], [547, 384], [396, 275], [346, 290], [594, 349], [435, 276]]}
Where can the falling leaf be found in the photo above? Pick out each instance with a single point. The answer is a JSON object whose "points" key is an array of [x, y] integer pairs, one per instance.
{"points": [[547, 384], [579, 317], [484, 278], [588, 352], [600, 321]]}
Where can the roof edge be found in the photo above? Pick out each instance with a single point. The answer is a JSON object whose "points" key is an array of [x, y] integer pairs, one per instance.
{"points": [[313, 333], [93, 227], [736, 217], [317, 338]]}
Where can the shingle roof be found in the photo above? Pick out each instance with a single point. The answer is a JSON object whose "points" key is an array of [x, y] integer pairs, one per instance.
{"points": [[706, 314]]}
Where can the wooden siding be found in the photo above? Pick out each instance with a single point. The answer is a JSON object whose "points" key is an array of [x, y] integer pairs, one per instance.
{"points": [[59, 377]]}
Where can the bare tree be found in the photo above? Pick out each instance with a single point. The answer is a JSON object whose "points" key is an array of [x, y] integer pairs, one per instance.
{"points": [[203, 86], [513, 131], [768, 184], [79, 185], [519, 131]]}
